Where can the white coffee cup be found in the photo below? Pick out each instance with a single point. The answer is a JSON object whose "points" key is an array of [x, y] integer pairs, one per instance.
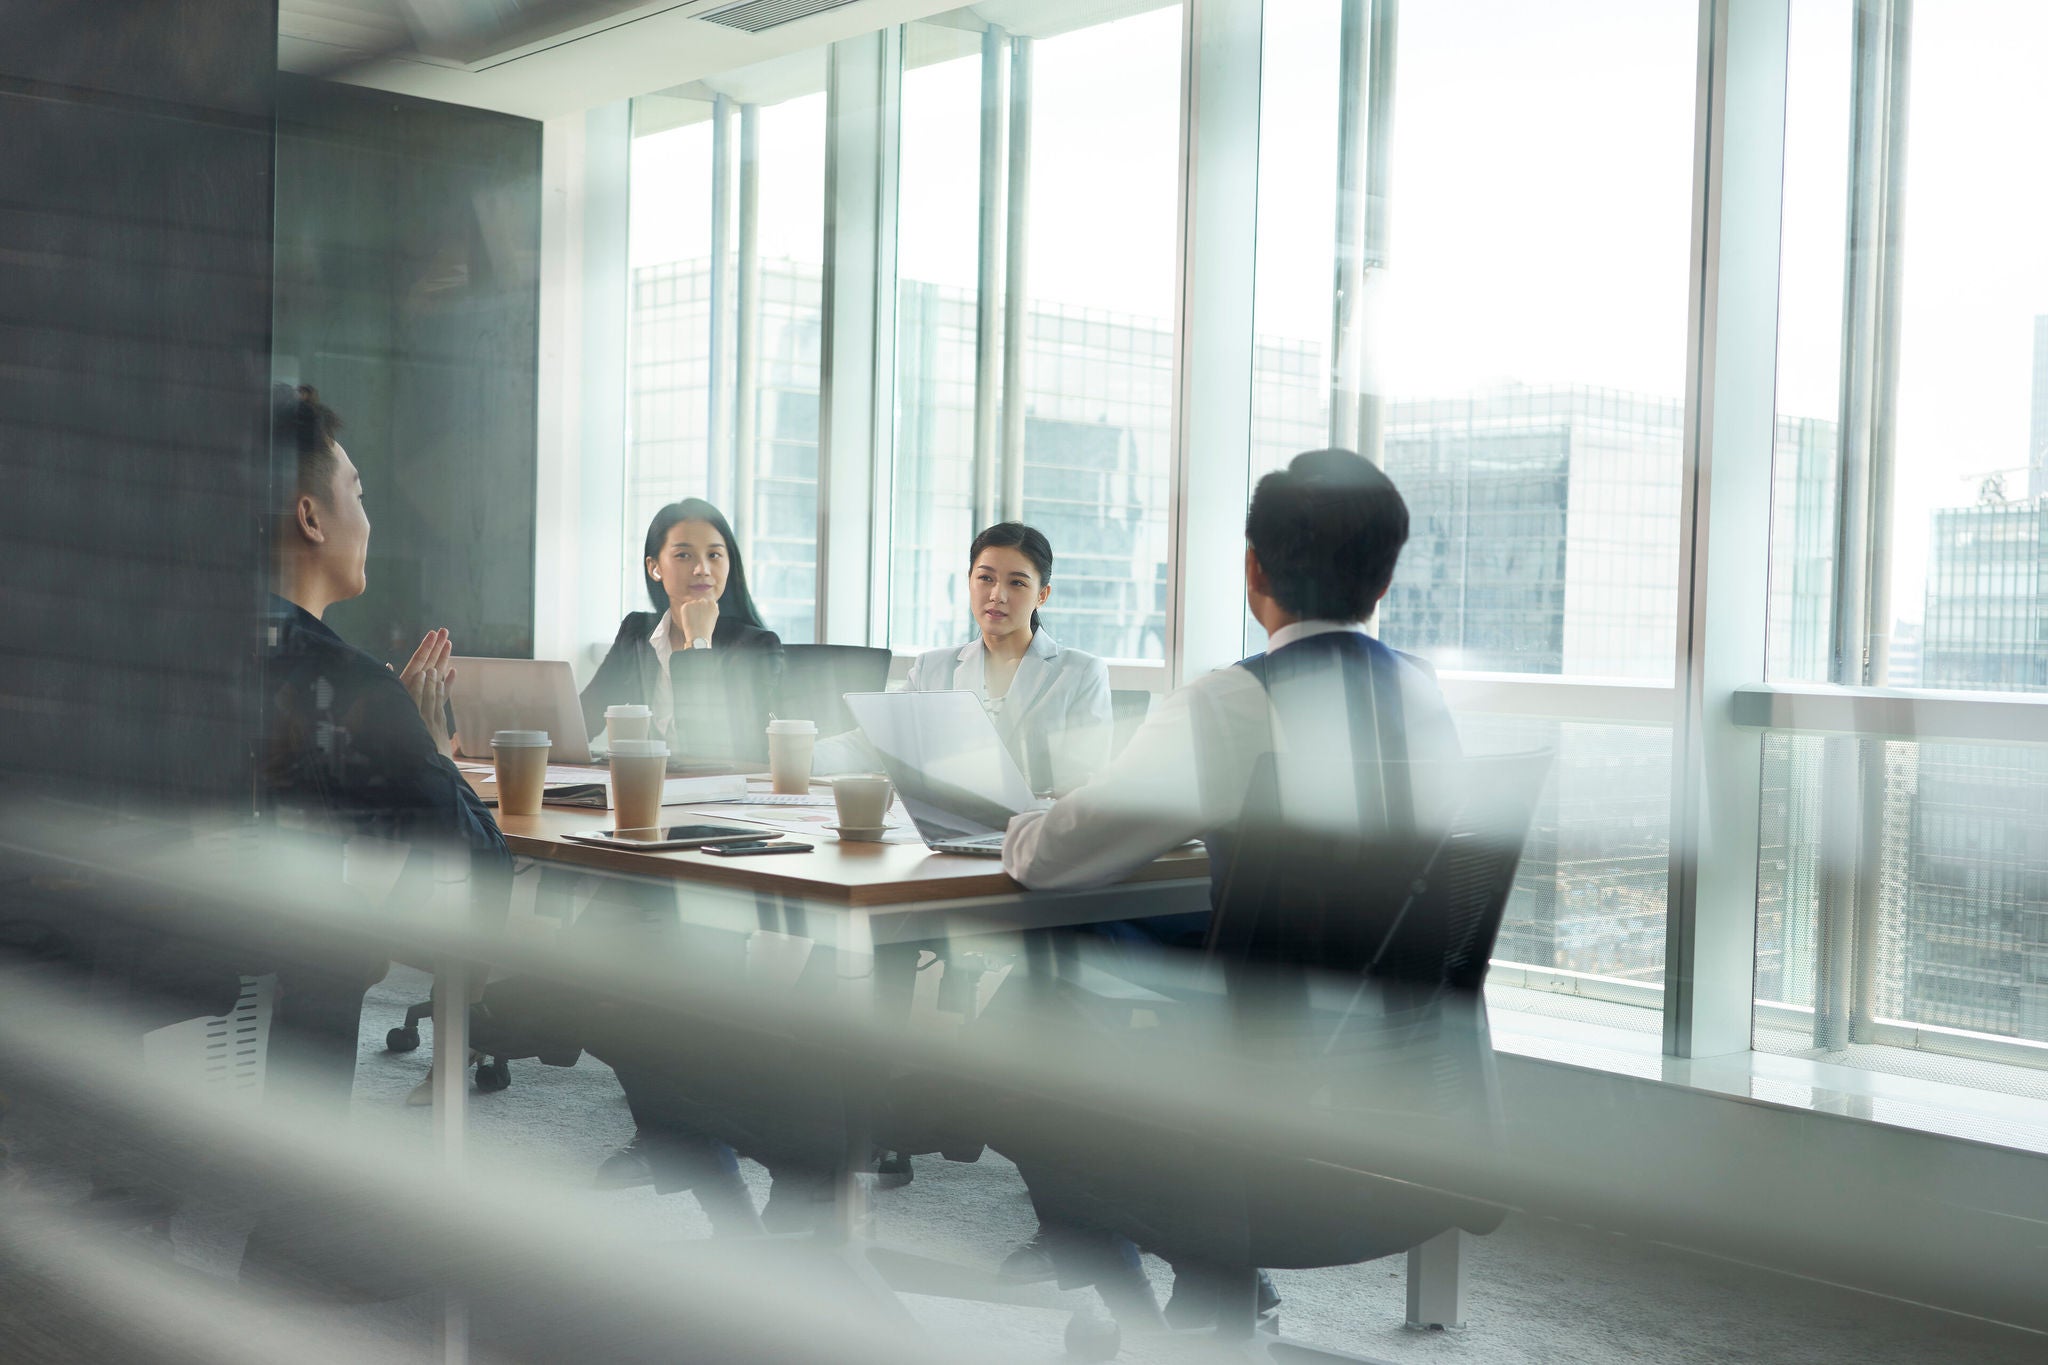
{"points": [[521, 758], [863, 800], [790, 746], [639, 766], [626, 721]]}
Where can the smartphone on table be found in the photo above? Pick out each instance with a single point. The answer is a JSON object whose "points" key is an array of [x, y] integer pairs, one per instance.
{"points": [[656, 838], [748, 850]]}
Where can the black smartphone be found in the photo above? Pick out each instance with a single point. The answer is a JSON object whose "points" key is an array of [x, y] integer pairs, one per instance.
{"points": [[750, 849]]}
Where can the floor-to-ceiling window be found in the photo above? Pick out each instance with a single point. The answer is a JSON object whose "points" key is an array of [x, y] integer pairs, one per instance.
{"points": [[1471, 271], [1903, 899], [726, 255], [1469, 267], [1034, 323]]}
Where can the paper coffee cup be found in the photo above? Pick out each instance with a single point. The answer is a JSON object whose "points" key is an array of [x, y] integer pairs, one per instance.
{"points": [[522, 762], [863, 800], [790, 746], [626, 722], [639, 766]]}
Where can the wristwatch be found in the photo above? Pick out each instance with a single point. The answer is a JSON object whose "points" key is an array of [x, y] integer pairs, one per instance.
{"points": [[700, 643]]}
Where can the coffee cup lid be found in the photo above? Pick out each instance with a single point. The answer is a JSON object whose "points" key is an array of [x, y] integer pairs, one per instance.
{"points": [[520, 739], [792, 727], [851, 778], [628, 710], [639, 748]]}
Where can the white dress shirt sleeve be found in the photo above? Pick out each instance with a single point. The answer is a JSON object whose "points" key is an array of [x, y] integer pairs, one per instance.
{"points": [[1182, 775]]}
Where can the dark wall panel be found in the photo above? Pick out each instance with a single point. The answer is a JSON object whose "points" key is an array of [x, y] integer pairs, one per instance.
{"points": [[408, 242], [136, 152]]}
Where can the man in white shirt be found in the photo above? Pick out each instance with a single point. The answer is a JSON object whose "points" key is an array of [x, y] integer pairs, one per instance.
{"points": [[1322, 536]]}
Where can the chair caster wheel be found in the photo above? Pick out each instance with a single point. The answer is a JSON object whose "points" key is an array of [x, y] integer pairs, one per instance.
{"points": [[493, 1075], [893, 1171], [402, 1040], [1091, 1336]]}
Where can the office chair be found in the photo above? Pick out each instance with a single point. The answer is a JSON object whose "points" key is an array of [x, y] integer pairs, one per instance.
{"points": [[816, 678], [493, 1068], [1349, 970], [1128, 707]]}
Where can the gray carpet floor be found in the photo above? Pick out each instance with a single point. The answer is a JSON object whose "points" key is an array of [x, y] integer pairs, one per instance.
{"points": [[1538, 1292]]}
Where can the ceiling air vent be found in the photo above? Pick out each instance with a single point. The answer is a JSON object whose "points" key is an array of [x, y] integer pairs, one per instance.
{"points": [[757, 16]]}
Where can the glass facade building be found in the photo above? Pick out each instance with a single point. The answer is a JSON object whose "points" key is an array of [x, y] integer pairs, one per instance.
{"points": [[669, 428]]}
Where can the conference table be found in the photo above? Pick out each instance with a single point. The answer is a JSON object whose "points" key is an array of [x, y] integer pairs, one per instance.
{"points": [[896, 889], [884, 900]]}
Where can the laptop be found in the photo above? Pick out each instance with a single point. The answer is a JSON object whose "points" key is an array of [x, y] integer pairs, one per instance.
{"points": [[949, 765], [518, 694]]}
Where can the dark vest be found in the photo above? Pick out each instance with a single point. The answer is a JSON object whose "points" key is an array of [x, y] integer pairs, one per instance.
{"points": [[1367, 676]]}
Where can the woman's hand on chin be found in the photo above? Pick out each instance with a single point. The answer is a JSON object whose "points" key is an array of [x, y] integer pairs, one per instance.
{"points": [[698, 618]]}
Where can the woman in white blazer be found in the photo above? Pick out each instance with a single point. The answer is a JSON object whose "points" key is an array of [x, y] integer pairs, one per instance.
{"points": [[1049, 703]]}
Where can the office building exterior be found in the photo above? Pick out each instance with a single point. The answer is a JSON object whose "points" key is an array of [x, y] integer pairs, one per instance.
{"points": [[1975, 916], [1541, 527], [1973, 919], [2037, 433]]}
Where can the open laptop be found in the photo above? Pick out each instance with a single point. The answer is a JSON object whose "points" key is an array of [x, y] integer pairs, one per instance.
{"points": [[949, 765], [518, 694]]}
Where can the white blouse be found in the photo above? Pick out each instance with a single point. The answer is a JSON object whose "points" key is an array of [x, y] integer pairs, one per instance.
{"points": [[1055, 720]]}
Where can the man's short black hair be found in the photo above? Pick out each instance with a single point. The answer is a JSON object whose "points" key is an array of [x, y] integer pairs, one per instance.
{"points": [[302, 439], [1327, 530]]}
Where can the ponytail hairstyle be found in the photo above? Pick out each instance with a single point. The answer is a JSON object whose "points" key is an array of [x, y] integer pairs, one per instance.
{"points": [[1027, 540], [735, 601]]}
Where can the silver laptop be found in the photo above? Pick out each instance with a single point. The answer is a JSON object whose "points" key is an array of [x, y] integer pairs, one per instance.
{"points": [[518, 694], [949, 765]]}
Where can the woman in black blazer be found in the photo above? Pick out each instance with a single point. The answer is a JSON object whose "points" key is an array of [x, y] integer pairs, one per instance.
{"points": [[711, 671], [701, 659]]}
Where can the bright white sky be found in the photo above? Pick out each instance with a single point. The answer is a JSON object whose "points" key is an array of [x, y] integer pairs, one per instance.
{"points": [[1541, 188]]}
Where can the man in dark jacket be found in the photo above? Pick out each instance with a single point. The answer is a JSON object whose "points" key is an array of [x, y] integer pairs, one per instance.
{"points": [[351, 747]]}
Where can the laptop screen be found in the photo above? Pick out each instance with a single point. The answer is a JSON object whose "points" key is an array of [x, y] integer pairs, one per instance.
{"points": [[518, 694], [946, 759]]}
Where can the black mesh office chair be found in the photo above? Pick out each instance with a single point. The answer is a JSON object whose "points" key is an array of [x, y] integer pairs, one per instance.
{"points": [[1128, 707], [1350, 975], [816, 679]]}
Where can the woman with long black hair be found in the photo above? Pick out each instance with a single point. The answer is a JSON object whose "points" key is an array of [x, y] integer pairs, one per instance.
{"points": [[709, 669], [702, 660]]}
